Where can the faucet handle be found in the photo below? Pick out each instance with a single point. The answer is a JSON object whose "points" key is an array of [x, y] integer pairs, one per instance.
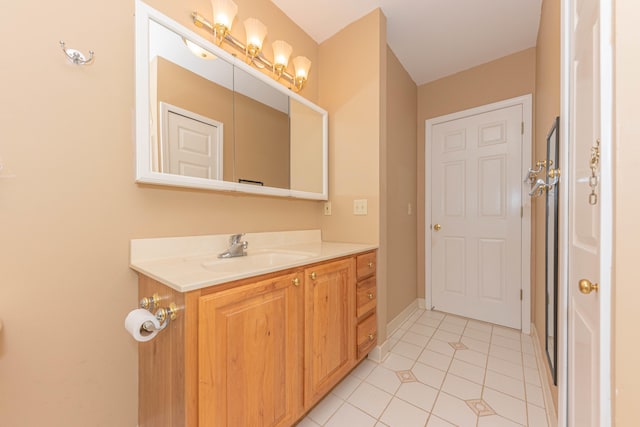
{"points": [[235, 238]]}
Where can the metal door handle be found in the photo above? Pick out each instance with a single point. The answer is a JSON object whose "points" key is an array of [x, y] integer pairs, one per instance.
{"points": [[437, 227], [586, 287]]}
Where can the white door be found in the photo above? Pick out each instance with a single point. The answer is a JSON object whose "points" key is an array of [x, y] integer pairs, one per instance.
{"points": [[191, 144], [476, 203], [589, 221]]}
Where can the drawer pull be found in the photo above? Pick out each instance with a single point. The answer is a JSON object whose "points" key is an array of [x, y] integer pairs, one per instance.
{"points": [[371, 337], [313, 275], [296, 282], [370, 264], [370, 295]]}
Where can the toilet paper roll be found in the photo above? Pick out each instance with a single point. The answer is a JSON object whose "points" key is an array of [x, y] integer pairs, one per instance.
{"points": [[134, 322]]}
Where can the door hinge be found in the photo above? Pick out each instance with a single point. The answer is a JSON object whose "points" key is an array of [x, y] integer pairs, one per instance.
{"points": [[521, 211], [520, 294], [521, 128]]}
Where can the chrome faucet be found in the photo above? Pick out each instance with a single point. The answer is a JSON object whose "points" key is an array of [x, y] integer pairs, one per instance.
{"points": [[236, 247]]}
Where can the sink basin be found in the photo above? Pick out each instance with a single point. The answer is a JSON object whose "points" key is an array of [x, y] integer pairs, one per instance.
{"points": [[256, 259]]}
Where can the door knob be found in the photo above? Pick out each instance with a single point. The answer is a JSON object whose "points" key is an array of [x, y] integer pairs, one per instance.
{"points": [[313, 275], [437, 227], [586, 286]]}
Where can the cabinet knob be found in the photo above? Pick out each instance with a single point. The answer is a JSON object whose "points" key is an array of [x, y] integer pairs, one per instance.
{"points": [[313, 275], [296, 282], [370, 295], [371, 337], [370, 264]]}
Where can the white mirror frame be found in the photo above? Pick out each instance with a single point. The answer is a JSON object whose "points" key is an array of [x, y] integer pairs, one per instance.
{"points": [[144, 171]]}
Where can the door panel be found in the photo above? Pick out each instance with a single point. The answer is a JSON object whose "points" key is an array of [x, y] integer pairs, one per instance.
{"points": [[454, 194], [492, 283], [191, 146], [584, 218], [491, 187], [476, 198], [454, 260]]}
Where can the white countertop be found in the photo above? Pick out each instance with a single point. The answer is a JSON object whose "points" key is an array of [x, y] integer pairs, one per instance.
{"points": [[190, 263]]}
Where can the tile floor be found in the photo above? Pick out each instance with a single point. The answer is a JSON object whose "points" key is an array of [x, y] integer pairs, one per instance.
{"points": [[443, 370]]}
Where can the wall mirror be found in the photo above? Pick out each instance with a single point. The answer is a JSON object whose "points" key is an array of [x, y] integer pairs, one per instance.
{"points": [[205, 119], [551, 253]]}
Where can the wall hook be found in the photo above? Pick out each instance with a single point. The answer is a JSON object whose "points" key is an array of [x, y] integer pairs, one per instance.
{"points": [[76, 56]]}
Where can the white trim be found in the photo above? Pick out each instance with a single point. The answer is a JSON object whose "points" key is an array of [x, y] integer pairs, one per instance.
{"points": [[606, 211], [606, 208], [402, 317], [552, 417], [526, 102], [379, 352], [563, 230]]}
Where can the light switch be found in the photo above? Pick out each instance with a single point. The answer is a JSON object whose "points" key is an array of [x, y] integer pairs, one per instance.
{"points": [[327, 208], [360, 207]]}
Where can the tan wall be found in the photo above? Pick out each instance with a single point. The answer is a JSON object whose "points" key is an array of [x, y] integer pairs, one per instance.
{"points": [[66, 218], [547, 108], [185, 89], [400, 180], [352, 73], [261, 146], [354, 131], [626, 292], [504, 78]]}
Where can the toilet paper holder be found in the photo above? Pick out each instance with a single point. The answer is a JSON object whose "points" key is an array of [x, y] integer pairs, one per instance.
{"points": [[150, 303], [163, 314]]}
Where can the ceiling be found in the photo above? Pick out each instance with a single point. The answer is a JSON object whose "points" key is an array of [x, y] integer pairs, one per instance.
{"points": [[431, 38]]}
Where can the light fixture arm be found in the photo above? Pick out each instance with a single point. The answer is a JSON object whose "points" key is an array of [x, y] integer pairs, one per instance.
{"points": [[259, 60]]}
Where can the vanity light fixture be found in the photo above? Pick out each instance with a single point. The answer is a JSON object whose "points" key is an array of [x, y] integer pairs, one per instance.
{"points": [[256, 32], [281, 53], [224, 11], [198, 51], [302, 64]]}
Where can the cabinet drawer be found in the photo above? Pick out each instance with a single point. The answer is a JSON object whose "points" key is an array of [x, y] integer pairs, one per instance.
{"points": [[365, 265], [366, 297], [367, 335]]}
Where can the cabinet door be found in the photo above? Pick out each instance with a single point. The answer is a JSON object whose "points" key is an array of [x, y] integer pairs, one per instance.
{"points": [[250, 354], [329, 326]]}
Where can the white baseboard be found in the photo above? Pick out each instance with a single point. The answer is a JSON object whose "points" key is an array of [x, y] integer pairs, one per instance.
{"points": [[401, 318], [381, 351], [552, 415], [422, 303]]}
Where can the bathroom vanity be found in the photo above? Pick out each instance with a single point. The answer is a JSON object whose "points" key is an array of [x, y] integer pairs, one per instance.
{"points": [[259, 339]]}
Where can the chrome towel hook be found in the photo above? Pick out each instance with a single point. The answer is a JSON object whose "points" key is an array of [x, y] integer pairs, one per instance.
{"points": [[76, 56]]}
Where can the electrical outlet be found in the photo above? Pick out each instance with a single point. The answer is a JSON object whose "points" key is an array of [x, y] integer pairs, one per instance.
{"points": [[327, 208], [360, 207]]}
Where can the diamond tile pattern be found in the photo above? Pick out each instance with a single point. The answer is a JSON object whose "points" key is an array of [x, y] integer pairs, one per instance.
{"points": [[442, 370]]}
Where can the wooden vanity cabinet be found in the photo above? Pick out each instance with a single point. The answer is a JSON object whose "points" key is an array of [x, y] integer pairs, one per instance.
{"points": [[366, 300], [329, 325], [260, 351], [249, 348]]}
